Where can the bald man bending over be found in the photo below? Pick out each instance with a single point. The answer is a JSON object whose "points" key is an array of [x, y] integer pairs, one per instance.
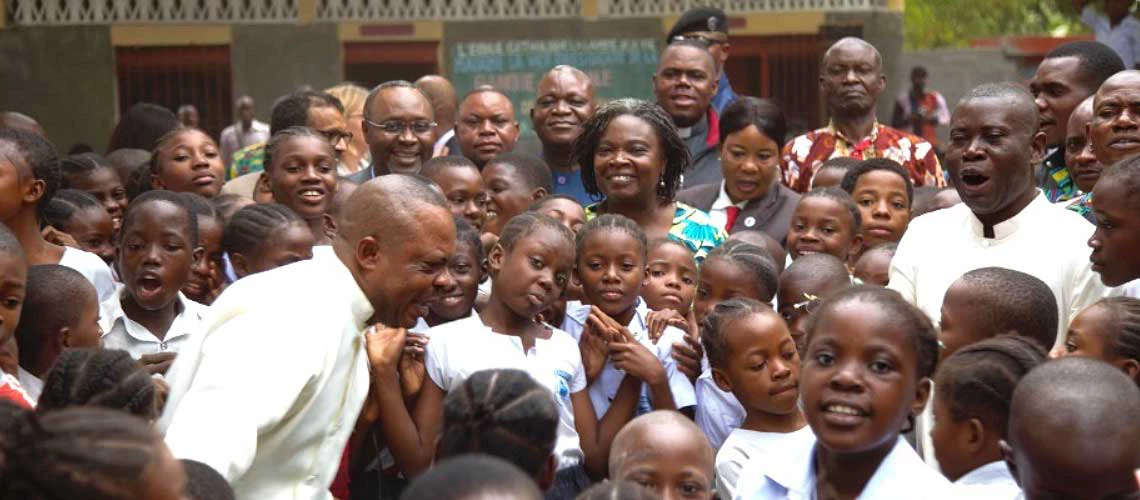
{"points": [[270, 392], [444, 105]]}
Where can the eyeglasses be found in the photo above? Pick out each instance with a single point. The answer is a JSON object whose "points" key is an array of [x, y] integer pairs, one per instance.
{"points": [[335, 136], [806, 306], [394, 127], [707, 41]]}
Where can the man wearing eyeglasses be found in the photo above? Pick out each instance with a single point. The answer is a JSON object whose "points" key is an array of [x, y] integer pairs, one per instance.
{"points": [[708, 26], [399, 129]]}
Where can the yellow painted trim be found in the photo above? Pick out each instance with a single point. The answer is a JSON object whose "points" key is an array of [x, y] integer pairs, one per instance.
{"points": [[782, 23], [421, 30], [896, 5], [774, 23], [589, 8], [306, 11], [155, 35]]}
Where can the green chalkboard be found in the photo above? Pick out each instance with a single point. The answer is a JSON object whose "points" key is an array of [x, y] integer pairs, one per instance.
{"points": [[619, 67]]}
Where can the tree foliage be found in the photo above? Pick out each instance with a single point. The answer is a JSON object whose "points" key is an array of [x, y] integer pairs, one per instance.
{"points": [[953, 23]]}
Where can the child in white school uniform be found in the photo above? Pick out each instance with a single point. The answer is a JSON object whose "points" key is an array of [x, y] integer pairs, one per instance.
{"points": [[530, 265], [148, 316], [753, 356], [610, 265], [866, 374], [972, 394], [733, 270]]}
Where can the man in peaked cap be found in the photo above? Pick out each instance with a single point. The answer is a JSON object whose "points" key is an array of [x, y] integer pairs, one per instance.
{"points": [[709, 26]]}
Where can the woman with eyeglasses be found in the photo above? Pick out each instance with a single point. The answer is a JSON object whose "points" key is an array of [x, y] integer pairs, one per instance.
{"points": [[630, 154], [356, 156]]}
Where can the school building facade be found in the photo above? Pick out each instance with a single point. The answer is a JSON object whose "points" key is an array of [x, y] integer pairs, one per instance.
{"points": [[75, 65]]}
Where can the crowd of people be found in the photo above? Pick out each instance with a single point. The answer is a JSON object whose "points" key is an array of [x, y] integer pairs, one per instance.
{"points": [[377, 296]]}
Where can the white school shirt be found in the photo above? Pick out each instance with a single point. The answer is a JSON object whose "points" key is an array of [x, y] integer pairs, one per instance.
{"points": [[1043, 240], [422, 326], [277, 381], [744, 445], [605, 387], [991, 481], [91, 267], [121, 332], [718, 212], [460, 348], [1124, 38], [33, 385], [791, 475], [718, 411]]}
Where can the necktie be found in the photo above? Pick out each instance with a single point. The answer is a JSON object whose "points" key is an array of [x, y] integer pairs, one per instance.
{"points": [[732, 212]]}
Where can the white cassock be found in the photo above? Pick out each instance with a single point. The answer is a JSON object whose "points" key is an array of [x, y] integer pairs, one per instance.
{"points": [[270, 390]]}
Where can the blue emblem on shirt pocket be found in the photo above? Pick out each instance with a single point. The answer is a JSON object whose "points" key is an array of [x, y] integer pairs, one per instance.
{"points": [[564, 379]]}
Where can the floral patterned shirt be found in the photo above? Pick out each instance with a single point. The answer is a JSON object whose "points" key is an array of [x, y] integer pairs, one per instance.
{"points": [[246, 160], [691, 226], [805, 154]]}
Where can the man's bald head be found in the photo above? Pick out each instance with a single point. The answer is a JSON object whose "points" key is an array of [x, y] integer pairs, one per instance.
{"points": [[643, 432], [1016, 97], [442, 96], [20, 121], [854, 44], [388, 207], [1072, 425]]}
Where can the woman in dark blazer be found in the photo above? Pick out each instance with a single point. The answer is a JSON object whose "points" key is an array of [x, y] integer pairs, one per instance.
{"points": [[751, 196]]}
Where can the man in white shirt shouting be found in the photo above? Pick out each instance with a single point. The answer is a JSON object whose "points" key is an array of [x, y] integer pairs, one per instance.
{"points": [[279, 376]]}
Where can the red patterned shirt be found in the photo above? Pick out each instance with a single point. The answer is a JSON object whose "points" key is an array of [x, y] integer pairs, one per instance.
{"points": [[804, 154]]}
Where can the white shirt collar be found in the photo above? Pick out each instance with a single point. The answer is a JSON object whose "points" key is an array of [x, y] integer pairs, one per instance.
{"points": [[895, 477], [442, 141], [33, 385], [578, 312], [685, 132], [987, 474], [112, 313], [1009, 227], [722, 201]]}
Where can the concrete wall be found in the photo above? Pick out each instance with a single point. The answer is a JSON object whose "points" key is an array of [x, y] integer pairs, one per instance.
{"points": [[64, 77], [272, 60], [953, 72]]}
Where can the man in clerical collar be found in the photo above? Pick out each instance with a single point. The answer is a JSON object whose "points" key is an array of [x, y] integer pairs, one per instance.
{"points": [[709, 26], [684, 85], [1068, 75], [851, 80]]}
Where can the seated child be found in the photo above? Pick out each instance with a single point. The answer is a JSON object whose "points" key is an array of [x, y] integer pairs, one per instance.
{"points": [[670, 287], [300, 170], [1073, 432], [13, 287], [85, 453], [206, 275], [148, 316], [826, 221], [1117, 233], [473, 477], [972, 392], [462, 186], [187, 160], [753, 356], [805, 284], [883, 191], [30, 159], [611, 266], [666, 453], [1108, 330], [205, 483], [874, 266], [266, 236], [831, 173], [513, 182], [564, 208], [990, 301], [866, 375], [97, 177], [60, 311], [82, 217], [506, 414], [108, 378], [732, 270]]}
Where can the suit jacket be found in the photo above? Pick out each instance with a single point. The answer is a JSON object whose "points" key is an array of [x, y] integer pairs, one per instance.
{"points": [[705, 168], [771, 214]]}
